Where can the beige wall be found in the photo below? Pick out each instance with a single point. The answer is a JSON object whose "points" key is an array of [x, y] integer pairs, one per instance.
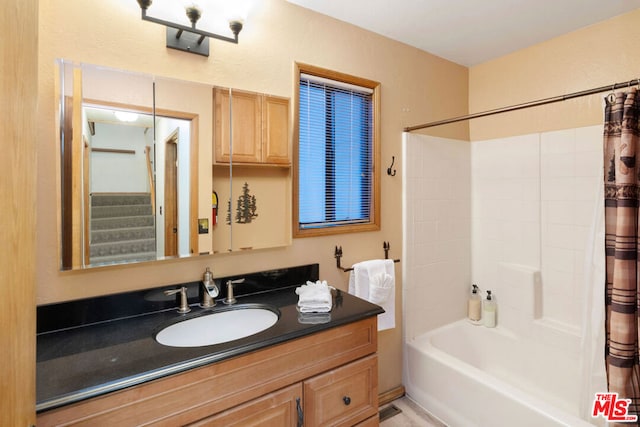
{"points": [[416, 87], [599, 55]]}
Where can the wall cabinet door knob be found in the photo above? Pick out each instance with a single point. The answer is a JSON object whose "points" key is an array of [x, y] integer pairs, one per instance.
{"points": [[346, 400]]}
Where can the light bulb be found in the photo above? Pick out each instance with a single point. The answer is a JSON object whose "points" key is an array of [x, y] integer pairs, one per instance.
{"points": [[125, 116]]}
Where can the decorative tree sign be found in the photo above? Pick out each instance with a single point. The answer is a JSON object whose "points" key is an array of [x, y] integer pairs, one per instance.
{"points": [[246, 207]]}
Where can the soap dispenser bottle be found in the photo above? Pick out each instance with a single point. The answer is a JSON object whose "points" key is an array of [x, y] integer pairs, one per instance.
{"points": [[474, 305], [489, 311]]}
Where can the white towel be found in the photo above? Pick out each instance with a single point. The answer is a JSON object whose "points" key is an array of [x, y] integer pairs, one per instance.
{"points": [[314, 297], [380, 287], [374, 281], [314, 318]]}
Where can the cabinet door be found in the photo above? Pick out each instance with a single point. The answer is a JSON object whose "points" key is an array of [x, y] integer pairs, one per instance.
{"points": [[344, 396], [275, 136], [240, 112], [277, 409], [221, 125]]}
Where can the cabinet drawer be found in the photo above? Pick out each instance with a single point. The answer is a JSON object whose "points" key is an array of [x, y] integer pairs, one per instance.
{"points": [[344, 396], [277, 409]]}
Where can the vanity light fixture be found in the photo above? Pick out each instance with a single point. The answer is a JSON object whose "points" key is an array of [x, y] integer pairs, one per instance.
{"points": [[190, 39]]}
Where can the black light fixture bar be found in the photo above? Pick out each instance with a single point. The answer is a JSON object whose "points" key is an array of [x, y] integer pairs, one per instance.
{"points": [[189, 39]]}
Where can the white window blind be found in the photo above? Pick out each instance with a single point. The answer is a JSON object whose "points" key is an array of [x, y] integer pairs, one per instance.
{"points": [[335, 169]]}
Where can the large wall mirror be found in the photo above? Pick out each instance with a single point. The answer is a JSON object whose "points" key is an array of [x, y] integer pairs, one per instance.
{"points": [[140, 180]]}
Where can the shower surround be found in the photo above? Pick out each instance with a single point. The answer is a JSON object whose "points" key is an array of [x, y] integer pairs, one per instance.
{"points": [[512, 215]]}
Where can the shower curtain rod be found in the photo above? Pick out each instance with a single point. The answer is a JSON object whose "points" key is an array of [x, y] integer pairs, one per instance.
{"points": [[525, 105]]}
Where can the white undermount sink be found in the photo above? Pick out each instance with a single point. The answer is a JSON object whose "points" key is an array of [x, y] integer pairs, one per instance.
{"points": [[218, 327]]}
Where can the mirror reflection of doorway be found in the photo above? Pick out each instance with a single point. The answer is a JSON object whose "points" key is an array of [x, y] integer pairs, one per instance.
{"points": [[118, 187], [171, 196], [136, 192]]}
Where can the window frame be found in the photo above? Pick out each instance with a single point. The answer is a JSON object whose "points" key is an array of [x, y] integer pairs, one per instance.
{"points": [[374, 218]]}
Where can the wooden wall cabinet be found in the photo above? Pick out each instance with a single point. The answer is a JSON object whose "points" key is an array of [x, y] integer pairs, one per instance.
{"points": [[330, 378], [259, 125]]}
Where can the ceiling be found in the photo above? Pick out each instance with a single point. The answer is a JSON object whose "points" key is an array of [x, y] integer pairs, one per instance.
{"points": [[470, 32]]}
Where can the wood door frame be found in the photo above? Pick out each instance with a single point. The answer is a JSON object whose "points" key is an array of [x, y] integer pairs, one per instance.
{"points": [[86, 201], [21, 147], [66, 232], [171, 249]]}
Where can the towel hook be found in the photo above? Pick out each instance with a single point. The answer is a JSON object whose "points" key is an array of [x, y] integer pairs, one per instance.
{"points": [[389, 172]]}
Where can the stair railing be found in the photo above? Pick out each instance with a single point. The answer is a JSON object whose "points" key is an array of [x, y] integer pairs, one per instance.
{"points": [[147, 151]]}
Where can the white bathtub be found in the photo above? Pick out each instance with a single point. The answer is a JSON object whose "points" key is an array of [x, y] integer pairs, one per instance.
{"points": [[470, 375]]}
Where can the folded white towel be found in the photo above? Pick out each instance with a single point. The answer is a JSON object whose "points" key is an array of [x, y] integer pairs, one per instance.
{"points": [[314, 297], [314, 318], [318, 292], [314, 308]]}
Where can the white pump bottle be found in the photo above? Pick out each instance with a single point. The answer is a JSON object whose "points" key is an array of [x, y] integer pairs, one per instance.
{"points": [[474, 305], [489, 309]]}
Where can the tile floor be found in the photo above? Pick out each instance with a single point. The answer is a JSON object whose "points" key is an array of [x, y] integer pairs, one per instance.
{"points": [[411, 416]]}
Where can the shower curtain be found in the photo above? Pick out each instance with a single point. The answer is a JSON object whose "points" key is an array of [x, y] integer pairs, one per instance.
{"points": [[622, 187]]}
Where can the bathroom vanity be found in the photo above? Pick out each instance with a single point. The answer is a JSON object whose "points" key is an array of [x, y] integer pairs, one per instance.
{"points": [[316, 370]]}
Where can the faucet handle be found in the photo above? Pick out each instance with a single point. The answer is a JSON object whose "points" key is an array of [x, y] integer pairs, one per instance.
{"points": [[230, 299], [184, 304]]}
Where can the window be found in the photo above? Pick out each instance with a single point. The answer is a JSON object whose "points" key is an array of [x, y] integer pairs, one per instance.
{"points": [[336, 178]]}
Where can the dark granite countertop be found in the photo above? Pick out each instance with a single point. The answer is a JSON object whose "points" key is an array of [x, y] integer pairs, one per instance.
{"points": [[80, 362]]}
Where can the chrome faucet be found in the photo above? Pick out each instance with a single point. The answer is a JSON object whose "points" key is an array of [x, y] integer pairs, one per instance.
{"points": [[230, 299], [184, 303], [211, 290]]}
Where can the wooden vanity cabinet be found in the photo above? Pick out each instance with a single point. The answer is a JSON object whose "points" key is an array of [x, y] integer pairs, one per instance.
{"points": [[331, 377], [259, 125], [344, 396]]}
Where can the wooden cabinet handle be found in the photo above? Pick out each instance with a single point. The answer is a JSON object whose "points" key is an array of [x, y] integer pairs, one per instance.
{"points": [[346, 400]]}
